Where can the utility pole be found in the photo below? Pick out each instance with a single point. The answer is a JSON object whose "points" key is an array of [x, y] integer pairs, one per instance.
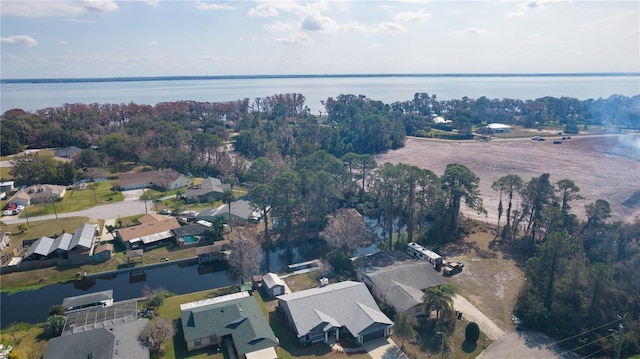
{"points": [[621, 327], [441, 344], [53, 203]]}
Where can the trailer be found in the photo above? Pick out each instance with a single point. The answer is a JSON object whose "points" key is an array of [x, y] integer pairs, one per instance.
{"points": [[419, 252]]}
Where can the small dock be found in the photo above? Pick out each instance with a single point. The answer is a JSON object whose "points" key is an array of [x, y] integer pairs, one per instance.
{"points": [[303, 267]]}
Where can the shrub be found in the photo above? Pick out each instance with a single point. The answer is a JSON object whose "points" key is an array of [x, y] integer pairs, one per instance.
{"points": [[54, 325], [56, 309], [472, 332]]}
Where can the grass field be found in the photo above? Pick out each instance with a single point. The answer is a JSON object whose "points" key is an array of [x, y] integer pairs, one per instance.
{"points": [[28, 341], [76, 200]]}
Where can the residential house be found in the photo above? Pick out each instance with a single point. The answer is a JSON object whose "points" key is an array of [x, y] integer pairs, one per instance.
{"points": [[153, 229], [235, 319], [241, 212], [164, 179], [401, 284], [322, 314], [39, 193], [210, 187], [119, 340], [68, 152], [272, 284]]}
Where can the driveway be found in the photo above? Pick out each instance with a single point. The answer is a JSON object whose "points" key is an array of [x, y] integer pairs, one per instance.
{"points": [[384, 348], [473, 314]]}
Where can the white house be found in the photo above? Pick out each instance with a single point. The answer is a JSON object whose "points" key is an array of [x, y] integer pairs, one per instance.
{"points": [[498, 127]]}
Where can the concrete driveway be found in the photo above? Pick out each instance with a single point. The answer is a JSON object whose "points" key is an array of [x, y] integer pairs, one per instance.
{"points": [[384, 348], [520, 345]]}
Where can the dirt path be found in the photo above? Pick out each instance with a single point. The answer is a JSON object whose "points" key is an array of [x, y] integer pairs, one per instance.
{"points": [[473, 314]]}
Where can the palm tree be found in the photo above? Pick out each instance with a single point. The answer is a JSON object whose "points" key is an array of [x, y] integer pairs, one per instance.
{"points": [[439, 298], [403, 327], [228, 197]]}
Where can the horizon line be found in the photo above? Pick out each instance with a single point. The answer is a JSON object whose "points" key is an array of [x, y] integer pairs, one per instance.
{"points": [[302, 76]]}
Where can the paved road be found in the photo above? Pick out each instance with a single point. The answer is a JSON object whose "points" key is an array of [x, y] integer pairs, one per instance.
{"points": [[520, 345], [131, 206]]}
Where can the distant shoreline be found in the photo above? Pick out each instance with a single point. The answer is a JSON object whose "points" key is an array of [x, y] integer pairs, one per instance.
{"points": [[309, 76]]}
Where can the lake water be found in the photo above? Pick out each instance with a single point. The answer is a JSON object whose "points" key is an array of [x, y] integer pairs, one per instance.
{"points": [[389, 89]]}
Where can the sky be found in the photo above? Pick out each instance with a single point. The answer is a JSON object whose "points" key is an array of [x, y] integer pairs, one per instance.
{"points": [[108, 38]]}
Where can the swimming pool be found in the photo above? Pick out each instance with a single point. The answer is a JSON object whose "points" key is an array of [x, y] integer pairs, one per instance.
{"points": [[188, 239]]}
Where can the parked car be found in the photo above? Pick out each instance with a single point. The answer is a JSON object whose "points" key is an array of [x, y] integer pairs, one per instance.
{"points": [[451, 268], [165, 211]]}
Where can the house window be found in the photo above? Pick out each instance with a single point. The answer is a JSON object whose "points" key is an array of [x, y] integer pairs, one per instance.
{"points": [[197, 342], [212, 339]]}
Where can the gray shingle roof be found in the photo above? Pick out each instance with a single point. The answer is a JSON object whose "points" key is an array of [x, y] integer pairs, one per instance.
{"points": [[240, 208], [346, 303], [239, 317], [118, 341], [402, 284]]}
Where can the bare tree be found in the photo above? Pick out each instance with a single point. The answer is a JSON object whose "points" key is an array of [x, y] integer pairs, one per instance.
{"points": [[245, 254], [156, 334], [346, 230]]}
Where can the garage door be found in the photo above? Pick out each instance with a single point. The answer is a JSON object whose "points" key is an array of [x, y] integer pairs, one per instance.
{"points": [[374, 335]]}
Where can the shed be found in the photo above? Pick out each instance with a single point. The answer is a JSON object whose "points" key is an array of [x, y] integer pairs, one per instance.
{"points": [[272, 284]]}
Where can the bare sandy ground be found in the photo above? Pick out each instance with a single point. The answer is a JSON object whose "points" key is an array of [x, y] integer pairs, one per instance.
{"points": [[604, 167]]}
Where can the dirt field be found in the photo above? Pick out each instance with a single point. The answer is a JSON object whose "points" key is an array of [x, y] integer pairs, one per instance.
{"points": [[604, 167]]}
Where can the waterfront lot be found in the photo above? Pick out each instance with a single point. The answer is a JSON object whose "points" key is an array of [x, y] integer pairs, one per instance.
{"points": [[604, 167]]}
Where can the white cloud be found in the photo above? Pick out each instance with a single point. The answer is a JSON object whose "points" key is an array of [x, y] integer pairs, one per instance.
{"points": [[282, 26], [318, 22], [200, 5], [63, 42], [471, 32], [412, 16], [534, 5], [154, 3], [40, 9], [390, 28], [375, 45], [295, 39], [21, 40], [262, 11], [153, 43], [101, 5]]}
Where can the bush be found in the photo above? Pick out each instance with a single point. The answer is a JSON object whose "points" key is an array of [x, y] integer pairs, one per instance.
{"points": [[54, 325], [56, 309], [472, 332]]}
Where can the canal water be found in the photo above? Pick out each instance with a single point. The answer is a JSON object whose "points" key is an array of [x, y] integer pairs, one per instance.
{"points": [[33, 306]]}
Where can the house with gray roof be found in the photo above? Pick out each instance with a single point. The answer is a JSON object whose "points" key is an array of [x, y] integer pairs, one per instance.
{"points": [[115, 341], [322, 314], [234, 318], [401, 285], [83, 237], [210, 187], [241, 211]]}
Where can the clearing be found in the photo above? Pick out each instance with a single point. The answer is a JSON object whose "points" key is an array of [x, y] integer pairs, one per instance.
{"points": [[603, 166]]}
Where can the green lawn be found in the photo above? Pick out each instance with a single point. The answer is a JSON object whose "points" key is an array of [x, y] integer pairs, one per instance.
{"points": [[29, 341], [77, 200]]}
